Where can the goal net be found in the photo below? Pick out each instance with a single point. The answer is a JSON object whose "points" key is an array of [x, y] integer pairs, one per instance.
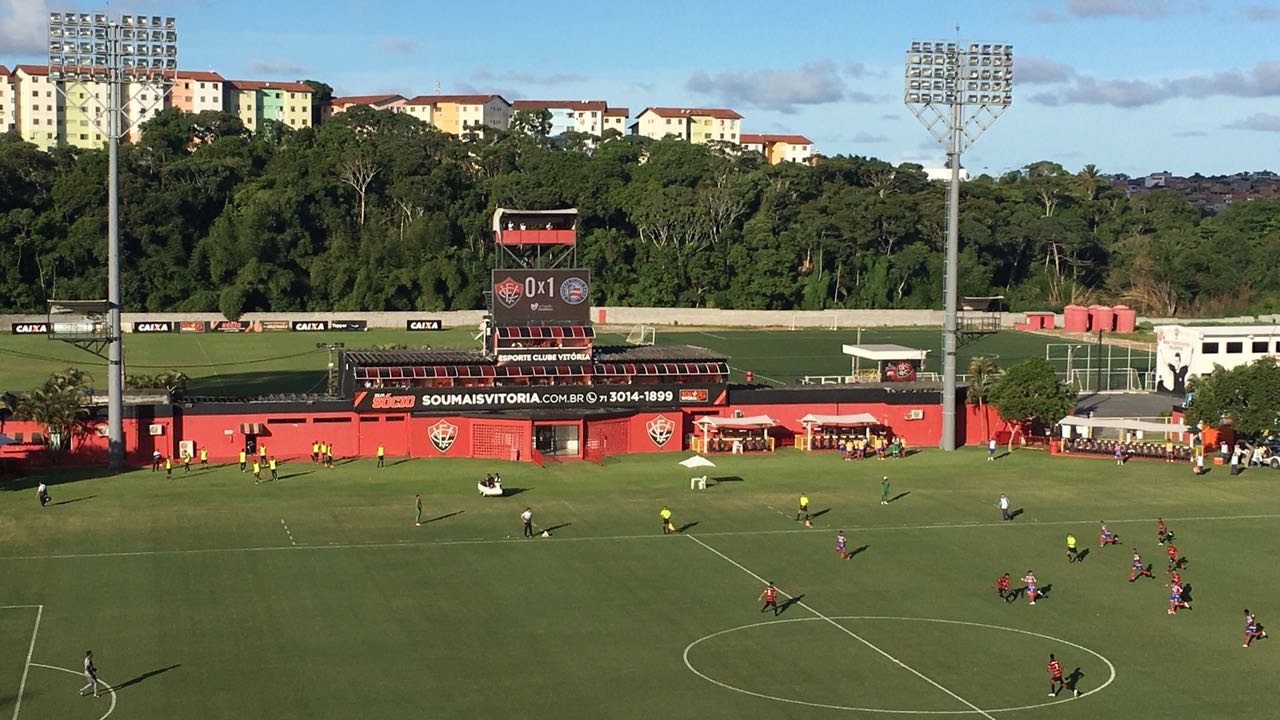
{"points": [[642, 335], [1117, 380]]}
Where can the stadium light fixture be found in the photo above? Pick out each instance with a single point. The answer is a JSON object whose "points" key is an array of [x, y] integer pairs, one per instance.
{"points": [[133, 50], [957, 91]]}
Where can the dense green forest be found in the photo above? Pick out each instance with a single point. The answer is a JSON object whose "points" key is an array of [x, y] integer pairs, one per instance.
{"points": [[375, 210]]}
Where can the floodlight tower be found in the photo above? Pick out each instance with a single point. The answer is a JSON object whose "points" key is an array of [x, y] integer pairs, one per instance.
{"points": [[957, 92], [134, 49]]}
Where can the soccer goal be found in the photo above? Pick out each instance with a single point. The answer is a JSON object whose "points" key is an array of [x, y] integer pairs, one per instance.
{"points": [[642, 335], [822, 321], [1103, 380]]}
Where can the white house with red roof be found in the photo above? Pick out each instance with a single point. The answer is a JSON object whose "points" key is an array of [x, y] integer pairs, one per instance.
{"points": [[779, 148], [696, 125], [584, 116]]}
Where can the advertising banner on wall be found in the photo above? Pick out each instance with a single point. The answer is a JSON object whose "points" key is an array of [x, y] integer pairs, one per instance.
{"points": [[153, 327], [423, 325], [598, 397], [190, 326], [543, 355], [230, 326], [349, 325], [274, 325], [309, 325], [36, 328], [522, 296]]}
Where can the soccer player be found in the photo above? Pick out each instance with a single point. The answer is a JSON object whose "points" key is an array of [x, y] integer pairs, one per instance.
{"points": [[884, 490], [840, 546], [667, 526], [168, 468], [1071, 548], [382, 454], [1002, 589], [1137, 569], [90, 674], [242, 459], [1252, 630], [1030, 589], [315, 452], [1056, 683], [257, 471], [1162, 531], [42, 493], [328, 455], [770, 598], [804, 507], [204, 458], [417, 504], [1105, 536], [262, 453], [271, 464], [1175, 562], [1175, 599], [1003, 504], [526, 519], [991, 450]]}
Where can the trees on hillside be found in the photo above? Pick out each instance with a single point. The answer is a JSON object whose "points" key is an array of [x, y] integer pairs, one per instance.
{"points": [[377, 210]]}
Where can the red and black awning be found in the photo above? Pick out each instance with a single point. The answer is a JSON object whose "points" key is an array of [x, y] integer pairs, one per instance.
{"points": [[660, 369], [541, 332]]}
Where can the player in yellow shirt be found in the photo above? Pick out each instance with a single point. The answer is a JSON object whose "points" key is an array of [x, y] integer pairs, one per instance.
{"points": [[804, 507], [168, 468], [382, 454], [242, 460], [668, 527], [1071, 548], [204, 457], [271, 464], [262, 452], [257, 472], [315, 451]]}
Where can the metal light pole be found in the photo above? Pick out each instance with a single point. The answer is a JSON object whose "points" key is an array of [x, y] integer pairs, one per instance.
{"points": [[957, 92], [91, 47]]}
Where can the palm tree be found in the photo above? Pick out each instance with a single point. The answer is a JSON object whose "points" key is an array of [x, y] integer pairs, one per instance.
{"points": [[58, 404], [983, 372]]}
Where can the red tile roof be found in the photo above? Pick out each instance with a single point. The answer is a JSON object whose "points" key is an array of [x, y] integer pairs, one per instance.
{"points": [[4, 70], [617, 112], [269, 85], [203, 75], [364, 99], [32, 69], [760, 139], [455, 99], [571, 104], [720, 113]]}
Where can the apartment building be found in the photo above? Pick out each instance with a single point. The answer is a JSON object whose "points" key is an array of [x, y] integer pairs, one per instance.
{"points": [[696, 125], [779, 148], [198, 91], [255, 101], [142, 101], [37, 110], [7, 111], [394, 103], [615, 119], [583, 116], [460, 114]]}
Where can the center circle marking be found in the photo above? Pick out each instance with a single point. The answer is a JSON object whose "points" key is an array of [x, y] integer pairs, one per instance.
{"points": [[1111, 668], [111, 690]]}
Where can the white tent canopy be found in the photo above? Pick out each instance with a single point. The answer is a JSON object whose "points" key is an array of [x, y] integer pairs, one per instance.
{"points": [[885, 352], [840, 420], [697, 461], [1122, 424], [754, 421]]}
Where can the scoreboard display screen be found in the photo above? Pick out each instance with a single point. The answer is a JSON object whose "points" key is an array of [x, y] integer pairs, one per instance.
{"points": [[523, 296]]}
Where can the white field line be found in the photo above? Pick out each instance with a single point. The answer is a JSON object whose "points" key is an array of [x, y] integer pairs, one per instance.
{"points": [[286, 532], [605, 538], [849, 632], [26, 668], [110, 689]]}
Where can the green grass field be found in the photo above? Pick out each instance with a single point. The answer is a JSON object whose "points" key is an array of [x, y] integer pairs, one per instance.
{"points": [[317, 597], [252, 364]]}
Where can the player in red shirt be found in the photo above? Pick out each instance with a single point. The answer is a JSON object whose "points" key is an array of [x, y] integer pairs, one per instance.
{"points": [[1162, 532], [1137, 569], [1105, 536], [1030, 589], [840, 546], [770, 598], [1175, 578], [1175, 562], [1002, 589]]}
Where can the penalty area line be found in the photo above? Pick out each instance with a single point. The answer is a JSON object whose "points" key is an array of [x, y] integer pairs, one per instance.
{"points": [[26, 667], [850, 633]]}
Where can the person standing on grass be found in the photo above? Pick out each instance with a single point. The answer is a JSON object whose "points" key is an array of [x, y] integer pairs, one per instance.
{"points": [[262, 453], [168, 468], [1199, 467], [382, 454], [1252, 630], [884, 490], [1056, 683], [315, 452], [90, 674], [770, 598], [991, 450], [186, 462], [257, 471], [1030, 588], [328, 454], [1002, 589], [803, 508], [665, 515], [1137, 569], [417, 506], [1003, 504], [204, 458], [42, 493], [271, 464], [526, 519], [1072, 556], [155, 460], [243, 457]]}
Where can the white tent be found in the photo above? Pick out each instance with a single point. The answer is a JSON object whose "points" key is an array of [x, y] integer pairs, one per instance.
{"points": [[854, 420], [755, 422], [1088, 424]]}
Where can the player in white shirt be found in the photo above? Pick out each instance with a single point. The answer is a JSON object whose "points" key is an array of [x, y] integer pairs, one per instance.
{"points": [[90, 674], [42, 494], [526, 518]]}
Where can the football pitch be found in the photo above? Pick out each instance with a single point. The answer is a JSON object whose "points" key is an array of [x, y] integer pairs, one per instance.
{"points": [[262, 363], [317, 596]]}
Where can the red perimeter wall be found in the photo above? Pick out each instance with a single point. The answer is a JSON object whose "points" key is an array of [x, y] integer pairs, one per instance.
{"points": [[290, 434]]}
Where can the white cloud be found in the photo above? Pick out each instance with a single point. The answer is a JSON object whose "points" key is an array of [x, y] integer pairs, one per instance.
{"points": [[1263, 80], [867, 138], [1261, 122], [816, 83], [1035, 70], [1262, 12], [402, 45], [517, 76], [1143, 9], [275, 67], [23, 26]]}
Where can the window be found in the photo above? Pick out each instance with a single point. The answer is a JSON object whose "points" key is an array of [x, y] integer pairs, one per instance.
{"points": [[1209, 348], [287, 421], [84, 136], [84, 123], [202, 87], [35, 93], [1260, 347], [332, 420], [1235, 347]]}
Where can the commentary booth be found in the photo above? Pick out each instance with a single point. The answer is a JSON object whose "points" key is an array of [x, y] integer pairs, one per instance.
{"points": [[734, 434], [827, 432], [885, 363]]}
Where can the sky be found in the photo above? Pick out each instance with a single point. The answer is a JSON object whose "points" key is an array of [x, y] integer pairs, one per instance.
{"points": [[1130, 86]]}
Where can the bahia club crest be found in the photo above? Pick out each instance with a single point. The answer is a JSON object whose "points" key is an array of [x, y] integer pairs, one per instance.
{"points": [[660, 430], [442, 435]]}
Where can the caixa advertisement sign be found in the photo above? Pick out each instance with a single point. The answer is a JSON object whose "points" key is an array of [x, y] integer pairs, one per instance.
{"points": [[423, 325], [619, 397], [36, 328], [309, 325], [153, 327]]}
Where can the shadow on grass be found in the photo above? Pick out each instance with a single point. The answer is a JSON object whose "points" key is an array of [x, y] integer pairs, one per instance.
{"points": [[686, 526], [788, 603], [553, 528], [1082, 555], [899, 496], [68, 502], [510, 491], [1014, 514], [145, 676], [727, 478], [401, 461], [858, 550], [444, 517], [1072, 681], [297, 474], [819, 514]]}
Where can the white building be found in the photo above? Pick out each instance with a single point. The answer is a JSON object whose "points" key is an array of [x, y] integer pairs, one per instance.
{"points": [[8, 113], [1184, 352]]}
